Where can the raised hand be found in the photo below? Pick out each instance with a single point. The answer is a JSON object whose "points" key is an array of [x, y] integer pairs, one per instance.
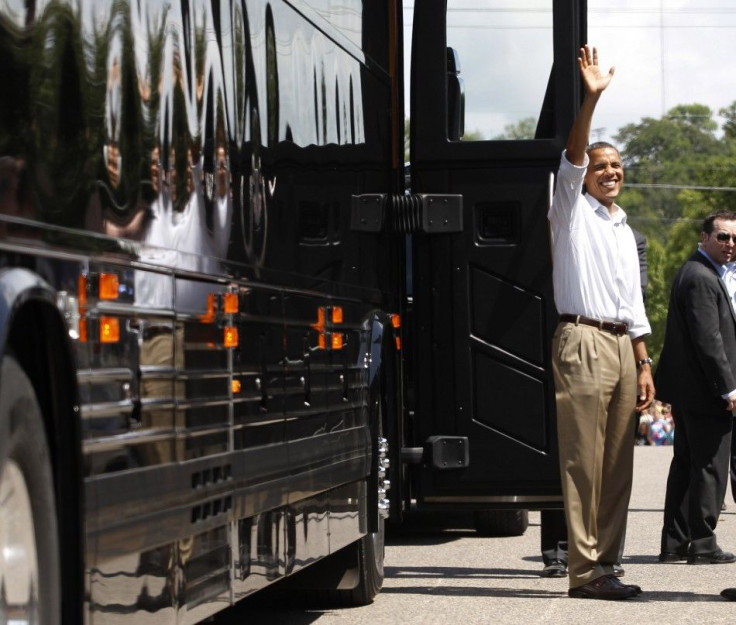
{"points": [[593, 79]]}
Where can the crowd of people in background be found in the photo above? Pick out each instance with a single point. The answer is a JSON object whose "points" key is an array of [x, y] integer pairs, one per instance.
{"points": [[656, 425]]}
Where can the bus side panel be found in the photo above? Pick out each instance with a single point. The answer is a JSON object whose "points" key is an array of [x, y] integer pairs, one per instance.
{"points": [[182, 176]]}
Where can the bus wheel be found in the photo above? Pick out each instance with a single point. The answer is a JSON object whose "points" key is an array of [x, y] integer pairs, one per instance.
{"points": [[501, 522], [30, 579], [370, 552]]}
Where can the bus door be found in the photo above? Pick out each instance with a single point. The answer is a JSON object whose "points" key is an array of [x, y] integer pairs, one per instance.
{"points": [[493, 94]]}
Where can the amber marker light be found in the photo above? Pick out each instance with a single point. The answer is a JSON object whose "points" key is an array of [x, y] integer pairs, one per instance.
{"points": [[109, 330], [337, 340], [109, 286], [231, 303], [209, 316], [82, 294], [319, 326], [235, 386], [231, 336], [396, 324], [337, 314], [82, 306]]}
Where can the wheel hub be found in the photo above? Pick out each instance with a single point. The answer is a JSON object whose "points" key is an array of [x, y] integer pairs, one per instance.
{"points": [[18, 558]]}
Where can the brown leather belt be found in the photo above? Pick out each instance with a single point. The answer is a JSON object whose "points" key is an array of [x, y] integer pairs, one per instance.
{"points": [[619, 328]]}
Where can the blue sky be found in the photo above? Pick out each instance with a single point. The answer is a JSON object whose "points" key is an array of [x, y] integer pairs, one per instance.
{"points": [[666, 52]]}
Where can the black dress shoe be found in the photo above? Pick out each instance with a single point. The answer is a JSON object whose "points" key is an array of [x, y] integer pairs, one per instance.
{"points": [[667, 557], [717, 557], [555, 568], [636, 588], [604, 587], [729, 593]]}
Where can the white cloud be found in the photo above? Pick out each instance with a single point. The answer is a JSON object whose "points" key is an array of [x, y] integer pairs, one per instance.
{"points": [[666, 52]]}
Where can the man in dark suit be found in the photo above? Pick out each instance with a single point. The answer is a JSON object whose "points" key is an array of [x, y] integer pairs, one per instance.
{"points": [[697, 375]]}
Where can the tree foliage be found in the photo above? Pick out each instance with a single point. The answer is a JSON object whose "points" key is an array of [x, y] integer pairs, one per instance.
{"points": [[523, 129], [678, 169]]}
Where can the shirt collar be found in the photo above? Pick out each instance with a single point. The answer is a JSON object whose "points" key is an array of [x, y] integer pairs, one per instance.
{"points": [[619, 216], [721, 269]]}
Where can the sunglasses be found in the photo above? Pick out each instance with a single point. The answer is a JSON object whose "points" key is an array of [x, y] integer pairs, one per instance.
{"points": [[723, 237]]}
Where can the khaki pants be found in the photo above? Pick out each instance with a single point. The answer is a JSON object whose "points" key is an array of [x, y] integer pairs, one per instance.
{"points": [[596, 386]]}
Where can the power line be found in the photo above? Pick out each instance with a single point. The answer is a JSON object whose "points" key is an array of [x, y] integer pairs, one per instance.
{"points": [[633, 10], [678, 187]]}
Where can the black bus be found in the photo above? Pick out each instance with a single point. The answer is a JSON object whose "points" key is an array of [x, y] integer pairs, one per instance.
{"points": [[228, 331]]}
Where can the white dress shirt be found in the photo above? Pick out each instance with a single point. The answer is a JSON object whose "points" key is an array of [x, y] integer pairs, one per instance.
{"points": [[595, 261]]}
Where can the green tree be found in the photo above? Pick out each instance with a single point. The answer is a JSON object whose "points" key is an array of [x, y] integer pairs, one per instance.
{"points": [[729, 126], [523, 129], [677, 171], [663, 155]]}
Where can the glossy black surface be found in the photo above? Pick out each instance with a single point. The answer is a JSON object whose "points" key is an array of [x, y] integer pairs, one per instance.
{"points": [[483, 299], [195, 150]]}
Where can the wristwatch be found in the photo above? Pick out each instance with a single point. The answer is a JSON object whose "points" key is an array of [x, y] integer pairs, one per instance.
{"points": [[644, 361]]}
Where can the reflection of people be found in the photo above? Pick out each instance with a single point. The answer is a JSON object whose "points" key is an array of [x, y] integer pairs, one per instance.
{"points": [[200, 247], [596, 349], [697, 375]]}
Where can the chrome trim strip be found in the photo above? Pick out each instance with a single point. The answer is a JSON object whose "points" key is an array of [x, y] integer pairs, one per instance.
{"points": [[202, 374], [106, 409], [131, 310], [157, 371], [493, 499], [138, 437], [104, 375]]}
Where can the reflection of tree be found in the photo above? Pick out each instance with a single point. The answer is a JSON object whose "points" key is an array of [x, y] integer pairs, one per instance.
{"points": [[16, 58], [58, 116]]}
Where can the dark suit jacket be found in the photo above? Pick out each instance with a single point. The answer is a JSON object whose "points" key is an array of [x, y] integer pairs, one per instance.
{"points": [[698, 361]]}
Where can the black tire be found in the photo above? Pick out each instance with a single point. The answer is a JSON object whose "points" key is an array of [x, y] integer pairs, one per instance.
{"points": [[501, 522], [370, 554], [369, 550], [25, 470]]}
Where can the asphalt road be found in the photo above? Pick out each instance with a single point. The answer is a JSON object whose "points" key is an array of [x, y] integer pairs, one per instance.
{"points": [[449, 575]]}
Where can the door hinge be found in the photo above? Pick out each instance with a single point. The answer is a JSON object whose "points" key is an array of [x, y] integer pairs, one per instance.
{"points": [[430, 213]]}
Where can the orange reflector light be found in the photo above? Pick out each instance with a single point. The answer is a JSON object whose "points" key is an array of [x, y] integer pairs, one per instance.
{"points": [[337, 340], [209, 316], [235, 386], [231, 303], [320, 319], [321, 340], [337, 314], [109, 285], [398, 343], [109, 330], [396, 321], [83, 330], [231, 336], [82, 293]]}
